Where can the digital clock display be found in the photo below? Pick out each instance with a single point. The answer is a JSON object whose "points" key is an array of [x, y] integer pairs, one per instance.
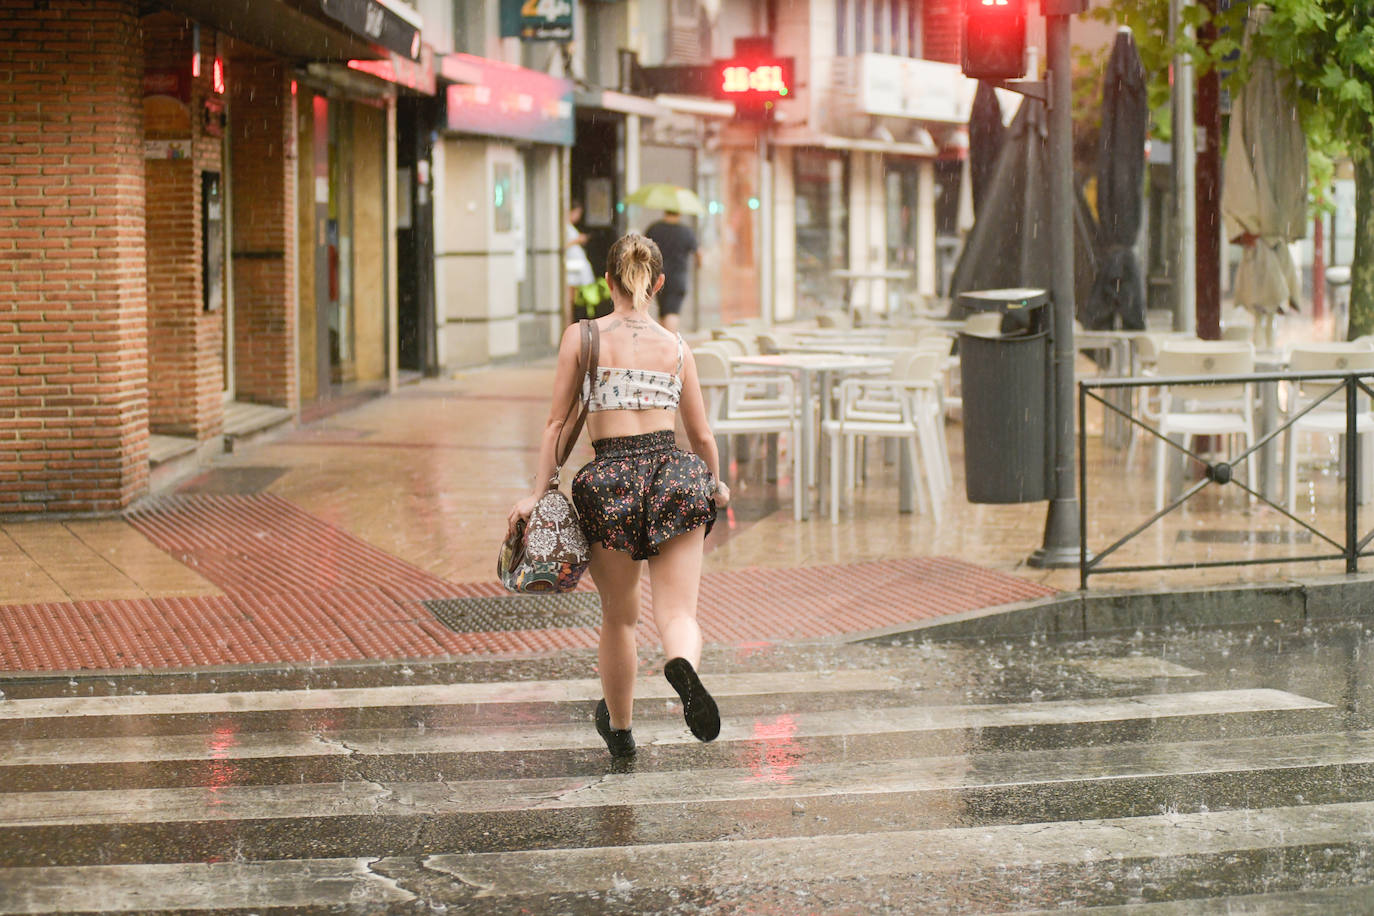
{"points": [[764, 79], [757, 80]]}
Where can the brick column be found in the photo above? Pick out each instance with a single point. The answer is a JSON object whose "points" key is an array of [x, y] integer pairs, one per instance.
{"points": [[73, 324], [185, 342], [263, 159]]}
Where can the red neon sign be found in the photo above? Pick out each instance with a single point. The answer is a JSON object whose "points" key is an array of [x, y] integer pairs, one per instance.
{"points": [[217, 76]]}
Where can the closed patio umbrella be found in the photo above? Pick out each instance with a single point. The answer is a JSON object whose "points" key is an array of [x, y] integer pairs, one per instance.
{"points": [[1117, 298], [1264, 189], [985, 133], [1009, 245]]}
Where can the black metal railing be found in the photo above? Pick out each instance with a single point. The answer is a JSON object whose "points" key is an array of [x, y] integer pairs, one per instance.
{"points": [[1348, 383]]}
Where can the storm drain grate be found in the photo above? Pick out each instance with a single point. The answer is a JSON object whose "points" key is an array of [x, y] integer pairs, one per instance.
{"points": [[518, 612], [1246, 537]]}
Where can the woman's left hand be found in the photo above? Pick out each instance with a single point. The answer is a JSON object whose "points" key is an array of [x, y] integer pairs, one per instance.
{"points": [[521, 510], [721, 495]]}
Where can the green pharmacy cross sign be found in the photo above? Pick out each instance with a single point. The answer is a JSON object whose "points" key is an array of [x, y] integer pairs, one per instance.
{"points": [[537, 20]]}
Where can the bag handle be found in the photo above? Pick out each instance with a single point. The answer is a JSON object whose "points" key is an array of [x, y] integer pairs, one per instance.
{"points": [[589, 361]]}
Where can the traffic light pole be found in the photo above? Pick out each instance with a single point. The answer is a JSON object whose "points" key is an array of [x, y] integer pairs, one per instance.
{"points": [[1062, 546]]}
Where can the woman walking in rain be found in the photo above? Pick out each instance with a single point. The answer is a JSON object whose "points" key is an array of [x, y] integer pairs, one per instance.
{"points": [[641, 498]]}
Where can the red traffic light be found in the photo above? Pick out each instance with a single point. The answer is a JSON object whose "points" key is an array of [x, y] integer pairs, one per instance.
{"points": [[994, 38]]}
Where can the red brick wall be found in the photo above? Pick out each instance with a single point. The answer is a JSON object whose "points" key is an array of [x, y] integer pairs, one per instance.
{"points": [[263, 158], [941, 28], [73, 327], [185, 342]]}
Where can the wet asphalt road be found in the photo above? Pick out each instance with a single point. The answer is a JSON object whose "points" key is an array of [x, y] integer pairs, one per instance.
{"points": [[1184, 772]]}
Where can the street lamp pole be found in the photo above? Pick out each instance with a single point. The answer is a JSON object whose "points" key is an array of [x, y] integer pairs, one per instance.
{"points": [[1185, 168], [1061, 544]]}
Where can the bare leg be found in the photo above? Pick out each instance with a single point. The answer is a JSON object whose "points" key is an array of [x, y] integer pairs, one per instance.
{"points": [[675, 577], [617, 580]]}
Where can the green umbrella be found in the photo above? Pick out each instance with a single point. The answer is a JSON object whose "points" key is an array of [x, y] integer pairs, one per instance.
{"points": [[666, 197]]}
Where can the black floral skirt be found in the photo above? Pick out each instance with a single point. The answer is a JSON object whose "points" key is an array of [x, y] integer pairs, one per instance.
{"points": [[640, 491]]}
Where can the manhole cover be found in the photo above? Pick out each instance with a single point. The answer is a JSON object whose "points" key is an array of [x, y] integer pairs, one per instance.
{"points": [[518, 612]]}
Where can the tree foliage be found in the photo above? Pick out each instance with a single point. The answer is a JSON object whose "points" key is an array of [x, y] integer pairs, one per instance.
{"points": [[1327, 48]]}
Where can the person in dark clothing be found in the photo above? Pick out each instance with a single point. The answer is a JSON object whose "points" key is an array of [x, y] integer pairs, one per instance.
{"points": [[678, 243]]}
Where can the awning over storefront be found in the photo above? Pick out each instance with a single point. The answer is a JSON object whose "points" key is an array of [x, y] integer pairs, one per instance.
{"points": [[281, 28], [389, 23], [495, 99], [624, 103], [802, 137], [414, 75], [696, 105]]}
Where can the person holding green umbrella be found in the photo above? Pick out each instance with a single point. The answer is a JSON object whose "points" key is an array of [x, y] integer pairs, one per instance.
{"points": [[678, 243], [675, 240]]}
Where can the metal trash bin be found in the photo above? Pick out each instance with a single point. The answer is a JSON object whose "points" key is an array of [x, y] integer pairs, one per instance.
{"points": [[1006, 409]]}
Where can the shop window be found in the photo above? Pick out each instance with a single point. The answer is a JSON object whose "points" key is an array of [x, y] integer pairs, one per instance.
{"points": [[822, 225], [901, 200]]}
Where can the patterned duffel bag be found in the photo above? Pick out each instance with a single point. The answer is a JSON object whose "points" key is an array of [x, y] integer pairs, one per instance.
{"points": [[547, 554]]}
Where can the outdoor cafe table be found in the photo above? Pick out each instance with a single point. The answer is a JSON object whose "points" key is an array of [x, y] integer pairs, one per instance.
{"points": [[840, 334], [826, 367], [1120, 344], [848, 349]]}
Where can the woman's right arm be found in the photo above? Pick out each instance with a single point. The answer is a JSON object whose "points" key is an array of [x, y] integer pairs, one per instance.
{"points": [[698, 427], [567, 382]]}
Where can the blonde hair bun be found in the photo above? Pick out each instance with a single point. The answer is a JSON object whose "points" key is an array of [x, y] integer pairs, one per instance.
{"points": [[635, 264]]}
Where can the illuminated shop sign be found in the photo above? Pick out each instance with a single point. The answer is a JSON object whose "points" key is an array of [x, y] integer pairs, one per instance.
{"points": [[502, 100]]}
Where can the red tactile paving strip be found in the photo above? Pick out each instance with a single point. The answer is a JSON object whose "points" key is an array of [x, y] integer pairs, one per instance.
{"points": [[298, 589]]}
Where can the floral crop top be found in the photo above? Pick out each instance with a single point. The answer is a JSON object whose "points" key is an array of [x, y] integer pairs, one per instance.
{"points": [[635, 389]]}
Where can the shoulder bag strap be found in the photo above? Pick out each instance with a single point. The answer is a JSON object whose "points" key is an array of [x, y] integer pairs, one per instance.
{"points": [[588, 362]]}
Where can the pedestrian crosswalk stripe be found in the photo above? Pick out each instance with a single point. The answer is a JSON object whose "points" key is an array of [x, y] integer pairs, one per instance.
{"points": [[842, 680], [1317, 901], [721, 863], [837, 857], [1130, 668], [197, 886], [515, 738], [793, 779]]}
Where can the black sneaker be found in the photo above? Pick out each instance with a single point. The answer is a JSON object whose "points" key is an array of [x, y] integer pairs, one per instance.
{"points": [[619, 741], [698, 709]]}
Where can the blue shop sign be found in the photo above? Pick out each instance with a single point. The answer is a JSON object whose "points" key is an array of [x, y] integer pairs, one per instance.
{"points": [[537, 20]]}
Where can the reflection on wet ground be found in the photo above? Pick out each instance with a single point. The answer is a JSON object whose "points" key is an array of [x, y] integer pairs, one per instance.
{"points": [[1184, 771]]}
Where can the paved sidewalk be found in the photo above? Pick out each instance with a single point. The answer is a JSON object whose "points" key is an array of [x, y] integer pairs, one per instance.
{"points": [[360, 535]]}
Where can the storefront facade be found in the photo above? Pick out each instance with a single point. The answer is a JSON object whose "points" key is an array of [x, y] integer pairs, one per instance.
{"points": [[499, 189], [180, 244]]}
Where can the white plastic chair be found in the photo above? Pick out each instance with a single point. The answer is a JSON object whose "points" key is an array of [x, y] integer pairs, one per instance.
{"points": [[1328, 417], [1188, 411], [915, 423], [774, 341], [733, 410], [731, 344], [742, 340]]}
